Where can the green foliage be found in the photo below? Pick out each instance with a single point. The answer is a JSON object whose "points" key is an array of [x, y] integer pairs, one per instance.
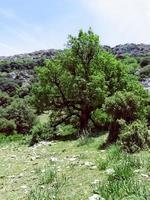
{"points": [[66, 129], [41, 131], [135, 136], [125, 105], [4, 99], [9, 85], [122, 181], [48, 175], [22, 113], [145, 71], [145, 61], [101, 117], [131, 63], [122, 170], [7, 127], [77, 82], [11, 138], [84, 140], [124, 189]]}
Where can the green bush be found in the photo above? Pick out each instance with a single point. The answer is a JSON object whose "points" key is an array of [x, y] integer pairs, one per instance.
{"points": [[123, 105], [135, 136], [12, 138], [41, 131], [4, 99], [145, 71], [101, 118], [7, 127], [66, 129], [22, 113]]}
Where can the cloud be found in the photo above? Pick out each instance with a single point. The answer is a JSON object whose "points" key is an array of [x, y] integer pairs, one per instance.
{"points": [[6, 50], [126, 20]]}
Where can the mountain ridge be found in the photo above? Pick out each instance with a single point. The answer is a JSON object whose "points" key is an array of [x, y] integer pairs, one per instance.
{"points": [[121, 49]]}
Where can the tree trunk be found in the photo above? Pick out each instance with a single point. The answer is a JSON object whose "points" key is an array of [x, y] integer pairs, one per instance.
{"points": [[113, 132], [84, 119]]}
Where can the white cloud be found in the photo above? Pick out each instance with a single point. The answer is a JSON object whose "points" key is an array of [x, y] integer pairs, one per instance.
{"points": [[126, 20], [6, 50]]}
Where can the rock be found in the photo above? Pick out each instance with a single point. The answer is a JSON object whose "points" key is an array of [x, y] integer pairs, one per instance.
{"points": [[72, 159], [145, 175], [23, 187], [93, 167], [12, 177], [96, 197], [54, 159], [89, 164], [20, 175], [13, 156], [95, 182], [110, 171]]}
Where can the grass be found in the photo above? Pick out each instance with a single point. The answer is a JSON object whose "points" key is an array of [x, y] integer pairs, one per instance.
{"points": [[125, 178], [64, 171]]}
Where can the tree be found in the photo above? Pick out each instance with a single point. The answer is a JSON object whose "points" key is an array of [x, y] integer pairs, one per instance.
{"points": [[78, 80], [22, 114], [126, 106]]}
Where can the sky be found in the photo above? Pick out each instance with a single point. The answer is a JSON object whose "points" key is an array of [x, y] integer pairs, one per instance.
{"points": [[30, 25]]}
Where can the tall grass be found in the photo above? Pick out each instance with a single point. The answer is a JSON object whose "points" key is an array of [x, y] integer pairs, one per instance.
{"points": [[123, 183]]}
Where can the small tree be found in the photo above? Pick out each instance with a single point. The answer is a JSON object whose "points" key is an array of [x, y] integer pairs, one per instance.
{"points": [[123, 105], [78, 80], [22, 114]]}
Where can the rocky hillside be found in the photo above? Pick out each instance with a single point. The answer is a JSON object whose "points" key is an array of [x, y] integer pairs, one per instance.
{"points": [[136, 50], [18, 70]]}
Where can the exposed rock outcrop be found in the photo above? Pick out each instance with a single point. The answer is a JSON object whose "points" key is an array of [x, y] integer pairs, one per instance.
{"points": [[18, 70]]}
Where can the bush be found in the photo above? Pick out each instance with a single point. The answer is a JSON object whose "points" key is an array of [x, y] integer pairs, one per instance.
{"points": [[22, 113], [135, 136], [101, 118], [12, 138], [4, 99], [123, 105], [145, 61], [145, 71], [66, 129], [41, 132], [7, 127]]}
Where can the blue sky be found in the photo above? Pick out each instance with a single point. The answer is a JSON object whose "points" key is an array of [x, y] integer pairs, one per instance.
{"points": [[29, 25]]}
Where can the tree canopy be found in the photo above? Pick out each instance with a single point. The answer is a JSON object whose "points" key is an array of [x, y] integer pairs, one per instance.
{"points": [[80, 79]]}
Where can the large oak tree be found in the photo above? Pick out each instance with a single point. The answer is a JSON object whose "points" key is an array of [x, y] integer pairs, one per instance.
{"points": [[79, 79]]}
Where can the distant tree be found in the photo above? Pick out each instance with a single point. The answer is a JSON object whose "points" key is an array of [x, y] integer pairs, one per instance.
{"points": [[79, 79]]}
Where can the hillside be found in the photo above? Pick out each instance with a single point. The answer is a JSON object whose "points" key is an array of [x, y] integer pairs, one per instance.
{"points": [[17, 70], [71, 170]]}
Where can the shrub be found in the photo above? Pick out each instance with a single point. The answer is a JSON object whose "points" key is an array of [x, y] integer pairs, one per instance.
{"points": [[66, 129], [41, 132], [145, 61], [22, 113], [101, 118], [7, 127], [11, 138], [145, 71], [135, 136], [4, 99], [123, 105]]}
